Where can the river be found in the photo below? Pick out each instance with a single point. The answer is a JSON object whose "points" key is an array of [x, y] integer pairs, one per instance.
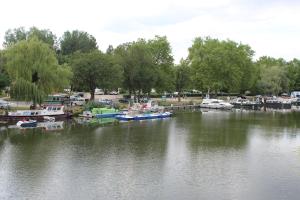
{"points": [[208, 155]]}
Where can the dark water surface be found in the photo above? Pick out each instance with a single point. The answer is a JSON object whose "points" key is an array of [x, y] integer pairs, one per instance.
{"points": [[212, 155]]}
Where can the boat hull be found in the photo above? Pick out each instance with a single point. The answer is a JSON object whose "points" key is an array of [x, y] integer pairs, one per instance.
{"points": [[216, 107], [143, 117], [107, 115], [27, 124], [10, 118]]}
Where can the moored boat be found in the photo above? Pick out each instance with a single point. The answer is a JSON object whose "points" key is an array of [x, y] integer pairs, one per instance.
{"points": [[215, 104], [56, 111], [27, 123], [278, 103], [105, 112], [144, 116], [245, 103]]}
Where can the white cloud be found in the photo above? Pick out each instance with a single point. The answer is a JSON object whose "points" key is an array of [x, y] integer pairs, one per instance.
{"points": [[269, 27]]}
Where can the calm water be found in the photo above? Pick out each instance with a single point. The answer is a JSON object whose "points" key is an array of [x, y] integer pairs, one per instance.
{"points": [[212, 155]]}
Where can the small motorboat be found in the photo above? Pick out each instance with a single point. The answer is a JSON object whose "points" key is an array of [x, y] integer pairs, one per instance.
{"points": [[87, 114], [27, 123]]}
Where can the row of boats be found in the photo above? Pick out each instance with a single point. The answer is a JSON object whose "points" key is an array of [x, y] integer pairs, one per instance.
{"points": [[27, 118], [136, 112], [259, 103], [50, 113]]}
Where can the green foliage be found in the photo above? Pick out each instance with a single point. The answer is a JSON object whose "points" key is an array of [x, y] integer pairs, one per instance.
{"points": [[92, 70], [163, 60], [221, 65], [92, 104], [13, 36], [273, 76], [44, 35], [182, 77], [33, 64], [146, 65], [293, 73], [4, 78], [77, 41], [25, 90], [18, 34], [135, 58]]}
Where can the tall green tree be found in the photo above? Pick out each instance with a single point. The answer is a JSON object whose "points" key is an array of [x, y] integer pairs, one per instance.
{"points": [[293, 73], [273, 76], [221, 65], [146, 65], [94, 69], [140, 74], [44, 35], [4, 78], [163, 60], [12, 36], [34, 70], [77, 41], [182, 77]]}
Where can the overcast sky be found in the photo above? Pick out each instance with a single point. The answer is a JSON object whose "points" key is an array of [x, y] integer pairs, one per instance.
{"points": [[270, 27]]}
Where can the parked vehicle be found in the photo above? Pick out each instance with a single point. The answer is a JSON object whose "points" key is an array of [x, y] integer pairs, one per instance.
{"points": [[113, 93], [124, 100], [99, 91], [62, 99], [77, 101], [5, 104], [105, 101]]}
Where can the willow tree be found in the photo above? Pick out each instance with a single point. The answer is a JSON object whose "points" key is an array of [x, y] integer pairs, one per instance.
{"points": [[34, 71]]}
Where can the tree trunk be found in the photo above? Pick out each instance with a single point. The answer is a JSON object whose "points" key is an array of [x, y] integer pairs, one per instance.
{"points": [[134, 96], [139, 94], [179, 99], [92, 95]]}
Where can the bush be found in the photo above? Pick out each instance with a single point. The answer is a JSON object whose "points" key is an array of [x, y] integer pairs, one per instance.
{"points": [[92, 104]]}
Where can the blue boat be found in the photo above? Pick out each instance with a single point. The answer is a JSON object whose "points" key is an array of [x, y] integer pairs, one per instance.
{"points": [[144, 116]]}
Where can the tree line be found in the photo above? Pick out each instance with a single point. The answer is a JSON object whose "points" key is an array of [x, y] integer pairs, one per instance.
{"points": [[35, 63]]}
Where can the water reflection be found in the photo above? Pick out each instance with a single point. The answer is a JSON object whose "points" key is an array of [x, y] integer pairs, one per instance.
{"points": [[214, 130], [208, 155]]}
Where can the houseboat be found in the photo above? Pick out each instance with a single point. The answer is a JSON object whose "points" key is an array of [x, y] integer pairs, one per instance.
{"points": [[56, 111]]}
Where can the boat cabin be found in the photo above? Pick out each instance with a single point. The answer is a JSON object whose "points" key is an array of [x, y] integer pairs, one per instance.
{"points": [[49, 110]]}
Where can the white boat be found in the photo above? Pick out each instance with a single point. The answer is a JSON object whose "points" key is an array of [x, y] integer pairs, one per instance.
{"points": [[87, 114], [50, 111], [216, 104], [27, 123]]}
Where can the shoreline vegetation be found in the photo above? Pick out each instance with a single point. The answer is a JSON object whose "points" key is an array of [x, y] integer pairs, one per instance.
{"points": [[35, 63]]}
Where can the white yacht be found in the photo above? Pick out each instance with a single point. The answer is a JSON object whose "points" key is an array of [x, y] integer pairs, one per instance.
{"points": [[216, 104]]}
